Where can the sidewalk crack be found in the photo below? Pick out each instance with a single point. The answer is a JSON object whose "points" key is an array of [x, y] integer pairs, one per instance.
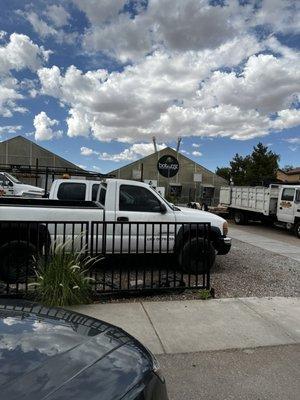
{"points": [[156, 333]]}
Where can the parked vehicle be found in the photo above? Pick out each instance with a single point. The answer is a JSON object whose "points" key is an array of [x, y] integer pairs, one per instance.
{"points": [[139, 211], [11, 186], [59, 354], [74, 189], [276, 203]]}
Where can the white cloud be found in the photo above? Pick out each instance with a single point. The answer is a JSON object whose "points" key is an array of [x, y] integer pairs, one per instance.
{"points": [[44, 29], [78, 123], [86, 151], [174, 24], [197, 153], [293, 140], [196, 145], [10, 129], [196, 70], [20, 52], [267, 84], [135, 151], [58, 15], [17, 54], [44, 127], [184, 152], [287, 119], [40, 26], [281, 16], [100, 11]]}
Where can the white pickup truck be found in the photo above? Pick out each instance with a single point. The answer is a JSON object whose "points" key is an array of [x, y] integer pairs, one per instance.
{"points": [[127, 203], [276, 203], [74, 189], [11, 186]]}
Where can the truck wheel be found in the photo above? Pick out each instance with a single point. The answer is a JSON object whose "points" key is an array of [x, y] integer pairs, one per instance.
{"points": [[239, 218], [297, 229], [191, 256], [16, 261]]}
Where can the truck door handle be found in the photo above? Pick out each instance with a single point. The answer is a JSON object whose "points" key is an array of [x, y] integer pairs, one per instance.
{"points": [[122, 219]]}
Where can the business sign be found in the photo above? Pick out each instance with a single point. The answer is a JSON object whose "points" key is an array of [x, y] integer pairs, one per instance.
{"points": [[197, 177], [168, 166]]}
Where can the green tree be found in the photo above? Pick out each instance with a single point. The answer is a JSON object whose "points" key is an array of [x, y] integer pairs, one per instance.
{"points": [[262, 167], [224, 172], [239, 167], [258, 168]]}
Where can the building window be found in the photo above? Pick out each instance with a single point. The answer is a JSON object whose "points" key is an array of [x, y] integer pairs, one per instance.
{"points": [[136, 198], [288, 194], [71, 191]]}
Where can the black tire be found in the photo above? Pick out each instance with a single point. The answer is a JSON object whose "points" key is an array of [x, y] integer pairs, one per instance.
{"points": [[16, 261], [297, 229], [240, 218], [191, 257]]}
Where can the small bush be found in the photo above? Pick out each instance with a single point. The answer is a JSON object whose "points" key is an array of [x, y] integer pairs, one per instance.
{"points": [[62, 278]]}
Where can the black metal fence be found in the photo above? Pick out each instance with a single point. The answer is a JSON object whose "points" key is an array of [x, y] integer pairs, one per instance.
{"points": [[127, 256]]}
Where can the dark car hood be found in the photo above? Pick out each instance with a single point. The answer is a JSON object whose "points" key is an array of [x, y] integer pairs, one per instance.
{"points": [[56, 354]]}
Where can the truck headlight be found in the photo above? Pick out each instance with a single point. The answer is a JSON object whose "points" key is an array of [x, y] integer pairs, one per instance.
{"points": [[225, 228]]}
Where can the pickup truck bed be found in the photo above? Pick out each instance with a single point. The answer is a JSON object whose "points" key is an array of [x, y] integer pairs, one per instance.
{"points": [[37, 202]]}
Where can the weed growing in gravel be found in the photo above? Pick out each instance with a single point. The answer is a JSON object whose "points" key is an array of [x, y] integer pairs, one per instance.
{"points": [[204, 294]]}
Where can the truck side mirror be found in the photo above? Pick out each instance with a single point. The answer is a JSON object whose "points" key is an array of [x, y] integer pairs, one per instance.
{"points": [[163, 208]]}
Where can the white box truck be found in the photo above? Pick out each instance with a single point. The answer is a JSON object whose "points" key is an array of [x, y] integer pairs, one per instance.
{"points": [[276, 203]]}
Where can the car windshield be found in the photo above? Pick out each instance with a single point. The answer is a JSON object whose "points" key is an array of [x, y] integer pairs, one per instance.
{"points": [[12, 178]]}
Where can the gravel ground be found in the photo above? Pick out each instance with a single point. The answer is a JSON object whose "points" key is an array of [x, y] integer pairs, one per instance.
{"points": [[246, 271], [250, 271]]}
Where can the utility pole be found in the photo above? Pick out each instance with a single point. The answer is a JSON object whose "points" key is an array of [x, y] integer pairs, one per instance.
{"points": [[154, 144]]}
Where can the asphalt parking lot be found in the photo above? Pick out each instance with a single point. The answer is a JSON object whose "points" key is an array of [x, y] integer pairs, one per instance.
{"points": [[264, 373]]}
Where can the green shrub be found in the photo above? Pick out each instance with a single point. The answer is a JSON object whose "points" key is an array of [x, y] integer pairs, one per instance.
{"points": [[62, 278]]}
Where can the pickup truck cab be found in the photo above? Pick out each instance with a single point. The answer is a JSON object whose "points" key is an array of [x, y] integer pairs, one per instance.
{"points": [[74, 189], [118, 201], [11, 186]]}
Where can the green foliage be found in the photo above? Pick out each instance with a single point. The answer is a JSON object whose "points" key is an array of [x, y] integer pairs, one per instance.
{"points": [[204, 294], [239, 167], [258, 168], [62, 279], [263, 166], [224, 172]]}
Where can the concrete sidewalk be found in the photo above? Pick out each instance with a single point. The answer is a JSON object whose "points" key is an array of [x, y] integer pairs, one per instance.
{"points": [[266, 242], [191, 326]]}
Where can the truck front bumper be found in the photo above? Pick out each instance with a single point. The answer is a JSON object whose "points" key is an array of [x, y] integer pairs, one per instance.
{"points": [[223, 245]]}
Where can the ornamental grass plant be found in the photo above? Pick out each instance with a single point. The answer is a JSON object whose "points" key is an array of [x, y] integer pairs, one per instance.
{"points": [[62, 278]]}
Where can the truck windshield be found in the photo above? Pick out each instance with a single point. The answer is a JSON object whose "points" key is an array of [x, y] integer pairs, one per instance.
{"points": [[172, 206], [12, 178]]}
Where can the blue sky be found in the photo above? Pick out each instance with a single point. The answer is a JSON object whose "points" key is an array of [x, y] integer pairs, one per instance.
{"points": [[93, 81]]}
